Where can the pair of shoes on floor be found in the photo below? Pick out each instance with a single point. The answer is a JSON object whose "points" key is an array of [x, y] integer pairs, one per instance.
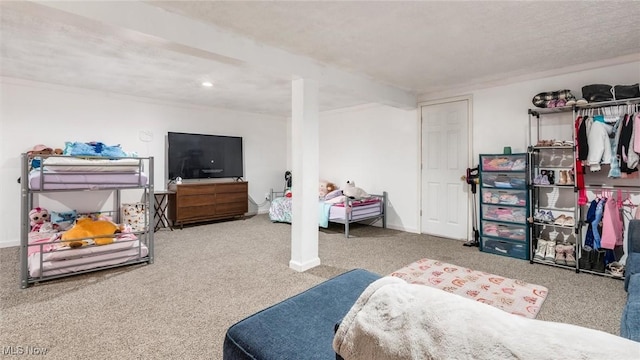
{"points": [[615, 269], [592, 259], [565, 255]]}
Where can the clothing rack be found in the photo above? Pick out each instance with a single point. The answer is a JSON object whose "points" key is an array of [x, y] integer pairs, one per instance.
{"points": [[608, 104]]}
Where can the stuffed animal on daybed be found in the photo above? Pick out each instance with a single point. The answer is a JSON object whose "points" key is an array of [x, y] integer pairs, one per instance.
{"points": [[38, 219], [326, 187], [87, 231], [353, 192]]}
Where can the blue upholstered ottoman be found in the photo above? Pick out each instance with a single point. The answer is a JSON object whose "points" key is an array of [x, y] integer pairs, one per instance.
{"points": [[300, 327]]}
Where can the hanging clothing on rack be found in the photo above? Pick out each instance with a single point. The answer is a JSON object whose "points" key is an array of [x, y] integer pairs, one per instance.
{"points": [[612, 227], [596, 227], [591, 215], [581, 133], [636, 136], [599, 145], [628, 158], [614, 170], [582, 149]]}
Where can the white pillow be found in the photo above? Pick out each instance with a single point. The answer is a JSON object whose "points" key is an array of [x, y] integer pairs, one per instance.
{"points": [[336, 200], [333, 194]]}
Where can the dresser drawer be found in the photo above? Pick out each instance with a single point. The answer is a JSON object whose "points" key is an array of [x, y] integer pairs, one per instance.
{"points": [[507, 231], [196, 189], [504, 180], [502, 213], [505, 248], [196, 200], [504, 162], [504, 197], [231, 188], [197, 212]]}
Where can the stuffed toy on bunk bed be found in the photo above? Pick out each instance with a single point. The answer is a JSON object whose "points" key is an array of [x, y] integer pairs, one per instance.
{"points": [[87, 231], [353, 192], [39, 220], [326, 187]]}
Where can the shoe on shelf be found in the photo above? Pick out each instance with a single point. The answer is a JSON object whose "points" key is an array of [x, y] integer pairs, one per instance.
{"points": [[569, 253], [548, 217], [552, 177], [540, 250], [537, 180], [560, 255], [539, 216], [560, 220], [569, 221], [563, 178], [545, 180], [550, 252], [570, 180]]}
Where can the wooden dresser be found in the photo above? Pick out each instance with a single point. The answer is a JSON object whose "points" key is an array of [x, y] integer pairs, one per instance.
{"points": [[191, 203]]}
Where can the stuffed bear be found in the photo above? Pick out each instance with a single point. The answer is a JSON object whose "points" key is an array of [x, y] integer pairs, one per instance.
{"points": [[353, 192], [38, 218], [326, 187], [86, 228]]}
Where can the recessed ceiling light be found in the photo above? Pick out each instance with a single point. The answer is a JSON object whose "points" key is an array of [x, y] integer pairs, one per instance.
{"points": [[207, 84]]}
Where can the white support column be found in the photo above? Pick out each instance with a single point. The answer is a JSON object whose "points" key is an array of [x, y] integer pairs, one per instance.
{"points": [[305, 151]]}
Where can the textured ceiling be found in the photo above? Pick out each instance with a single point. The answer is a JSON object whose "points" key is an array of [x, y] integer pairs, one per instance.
{"points": [[420, 47]]}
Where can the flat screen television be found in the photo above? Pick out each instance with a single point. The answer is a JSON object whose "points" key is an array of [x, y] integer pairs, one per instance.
{"points": [[201, 156]]}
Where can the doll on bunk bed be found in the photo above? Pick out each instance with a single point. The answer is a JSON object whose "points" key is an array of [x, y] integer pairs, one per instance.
{"points": [[39, 220]]}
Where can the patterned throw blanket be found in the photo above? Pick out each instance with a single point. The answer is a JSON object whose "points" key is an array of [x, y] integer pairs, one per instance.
{"points": [[511, 295]]}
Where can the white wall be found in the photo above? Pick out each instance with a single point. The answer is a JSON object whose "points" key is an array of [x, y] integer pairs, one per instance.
{"points": [[36, 113], [500, 113], [377, 147]]}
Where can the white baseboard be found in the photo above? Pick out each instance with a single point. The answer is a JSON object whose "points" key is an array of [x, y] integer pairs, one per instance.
{"points": [[10, 243], [304, 266], [402, 228]]}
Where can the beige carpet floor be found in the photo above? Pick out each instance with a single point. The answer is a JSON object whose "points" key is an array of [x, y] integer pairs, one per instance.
{"points": [[207, 277]]}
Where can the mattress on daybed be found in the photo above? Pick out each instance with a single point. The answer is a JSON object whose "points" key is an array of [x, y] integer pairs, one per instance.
{"points": [[280, 210], [359, 210], [73, 260]]}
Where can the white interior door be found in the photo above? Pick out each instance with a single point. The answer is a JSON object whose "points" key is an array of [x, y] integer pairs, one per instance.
{"points": [[445, 158]]}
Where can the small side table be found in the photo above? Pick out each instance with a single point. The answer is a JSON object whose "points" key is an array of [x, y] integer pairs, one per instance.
{"points": [[160, 214]]}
